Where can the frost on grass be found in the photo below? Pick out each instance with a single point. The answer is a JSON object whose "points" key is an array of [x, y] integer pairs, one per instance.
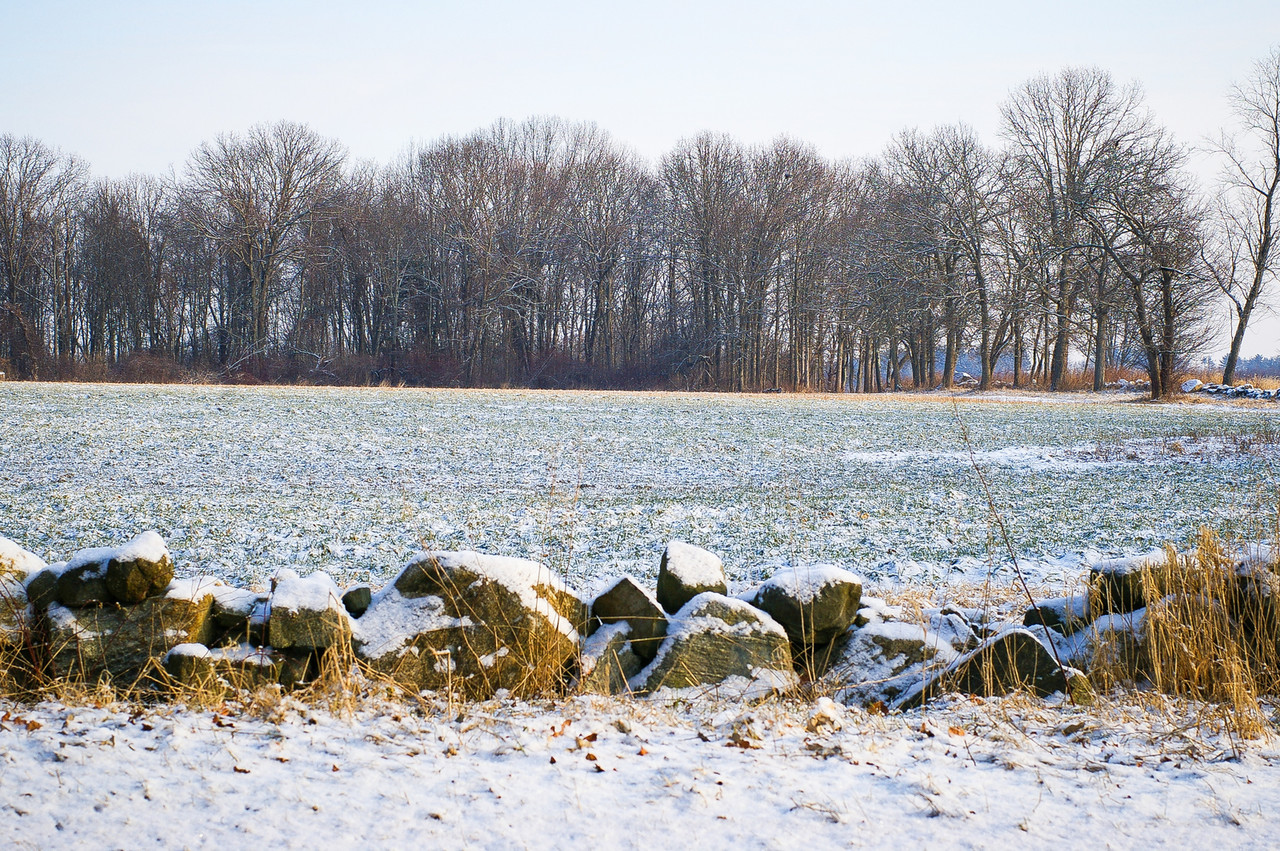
{"points": [[241, 481]]}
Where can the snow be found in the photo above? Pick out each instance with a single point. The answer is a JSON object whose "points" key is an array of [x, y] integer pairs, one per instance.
{"points": [[805, 583], [315, 593], [14, 558], [605, 773], [197, 651], [147, 546], [693, 566], [393, 620]]}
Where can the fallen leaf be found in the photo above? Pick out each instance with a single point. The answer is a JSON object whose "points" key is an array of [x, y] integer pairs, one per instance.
{"points": [[238, 770], [335, 768], [643, 752], [956, 731], [591, 757], [553, 760]]}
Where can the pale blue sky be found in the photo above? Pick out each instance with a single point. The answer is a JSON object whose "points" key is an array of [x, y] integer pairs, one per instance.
{"points": [[136, 86]]}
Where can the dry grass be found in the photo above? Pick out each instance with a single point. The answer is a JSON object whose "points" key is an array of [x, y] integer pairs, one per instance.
{"points": [[1210, 633]]}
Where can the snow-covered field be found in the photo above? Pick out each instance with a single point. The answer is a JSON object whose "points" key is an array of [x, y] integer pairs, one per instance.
{"points": [[241, 481], [606, 774]]}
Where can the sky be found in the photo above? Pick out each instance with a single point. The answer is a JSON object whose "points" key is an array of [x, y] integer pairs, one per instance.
{"points": [[136, 86]]}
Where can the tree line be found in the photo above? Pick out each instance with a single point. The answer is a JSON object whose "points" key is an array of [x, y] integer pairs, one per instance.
{"points": [[545, 253]]}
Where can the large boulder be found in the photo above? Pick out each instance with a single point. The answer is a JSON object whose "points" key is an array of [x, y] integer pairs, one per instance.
{"points": [[608, 661], [627, 601], [1117, 586], [473, 623], [715, 640], [126, 574], [878, 662], [1011, 660], [306, 613], [124, 642], [140, 569], [685, 572], [814, 603]]}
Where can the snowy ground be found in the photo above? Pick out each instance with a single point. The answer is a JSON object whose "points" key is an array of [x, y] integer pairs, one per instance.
{"points": [[598, 773], [240, 481]]}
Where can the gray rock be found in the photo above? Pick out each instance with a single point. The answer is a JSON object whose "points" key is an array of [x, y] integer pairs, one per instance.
{"points": [[473, 624], [608, 661], [627, 601], [83, 584], [1014, 659], [1117, 586], [190, 665], [1067, 615], [306, 613], [715, 639], [240, 615], [814, 603], [356, 599], [126, 642], [132, 580], [42, 588], [878, 662], [685, 572]]}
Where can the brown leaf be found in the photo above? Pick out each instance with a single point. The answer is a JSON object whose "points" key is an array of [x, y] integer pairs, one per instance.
{"points": [[335, 768], [32, 726], [238, 770], [553, 760], [591, 757], [956, 731], [591, 737], [643, 752]]}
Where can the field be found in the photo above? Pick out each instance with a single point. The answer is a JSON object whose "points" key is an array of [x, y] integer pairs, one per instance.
{"points": [[241, 481]]}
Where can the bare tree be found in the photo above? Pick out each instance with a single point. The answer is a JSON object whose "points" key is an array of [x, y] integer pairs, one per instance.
{"points": [[1062, 130], [38, 189], [1245, 260], [251, 195]]}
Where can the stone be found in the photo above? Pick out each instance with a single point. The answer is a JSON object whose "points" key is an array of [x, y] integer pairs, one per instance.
{"points": [[125, 642], [127, 574], [1067, 615], [1014, 659], [83, 583], [1115, 646], [814, 603], [1116, 586], [608, 660], [306, 613], [240, 615], [878, 662], [248, 667], [471, 623], [714, 639], [627, 601], [140, 569], [42, 587], [190, 665], [1192, 385], [356, 599], [685, 572]]}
